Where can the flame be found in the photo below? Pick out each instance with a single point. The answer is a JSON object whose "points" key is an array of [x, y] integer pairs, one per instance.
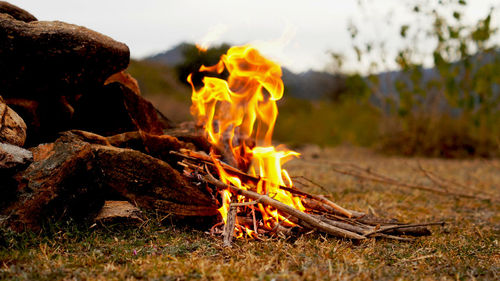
{"points": [[241, 108]]}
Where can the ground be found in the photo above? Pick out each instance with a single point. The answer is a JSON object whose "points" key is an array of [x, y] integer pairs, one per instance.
{"points": [[467, 248]]}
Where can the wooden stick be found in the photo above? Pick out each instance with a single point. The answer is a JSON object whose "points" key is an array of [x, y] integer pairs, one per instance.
{"points": [[311, 181], [393, 227], [321, 199], [342, 225], [264, 199], [388, 236], [254, 220], [229, 226]]}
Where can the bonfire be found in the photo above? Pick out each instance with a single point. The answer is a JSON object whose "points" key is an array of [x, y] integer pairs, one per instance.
{"points": [[79, 141], [257, 196]]}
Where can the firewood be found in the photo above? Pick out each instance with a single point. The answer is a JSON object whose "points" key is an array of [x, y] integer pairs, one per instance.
{"points": [[134, 174], [303, 217], [119, 211], [337, 223], [208, 160], [60, 184], [189, 136], [229, 226], [405, 229], [73, 178]]}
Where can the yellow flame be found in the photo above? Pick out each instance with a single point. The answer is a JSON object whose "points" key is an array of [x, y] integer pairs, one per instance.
{"points": [[244, 107]]}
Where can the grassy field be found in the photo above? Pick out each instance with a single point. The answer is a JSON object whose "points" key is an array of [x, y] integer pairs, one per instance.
{"points": [[467, 248]]}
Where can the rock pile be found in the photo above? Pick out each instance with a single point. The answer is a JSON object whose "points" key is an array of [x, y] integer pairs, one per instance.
{"points": [[75, 131]]}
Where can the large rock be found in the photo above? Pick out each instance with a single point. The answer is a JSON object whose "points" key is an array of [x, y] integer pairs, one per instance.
{"points": [[16, 12], [12, 126], [43, 58]]}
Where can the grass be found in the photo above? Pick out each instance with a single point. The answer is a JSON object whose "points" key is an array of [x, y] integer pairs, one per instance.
{"points": [[466, 248]]}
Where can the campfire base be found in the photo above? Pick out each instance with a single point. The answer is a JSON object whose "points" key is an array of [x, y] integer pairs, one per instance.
{"points": [[75, 175]]}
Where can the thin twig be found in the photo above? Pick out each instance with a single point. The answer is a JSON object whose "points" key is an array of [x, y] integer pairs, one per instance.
{"points": [[242, 204], [388, 236], [311, 181], [392, 227], [447, 183]]}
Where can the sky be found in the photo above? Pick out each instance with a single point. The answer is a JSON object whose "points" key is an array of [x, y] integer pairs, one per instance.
{"points": [[302, 33]]}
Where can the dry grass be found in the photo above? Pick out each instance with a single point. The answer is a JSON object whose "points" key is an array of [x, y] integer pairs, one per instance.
{"points": [[467, 248]]}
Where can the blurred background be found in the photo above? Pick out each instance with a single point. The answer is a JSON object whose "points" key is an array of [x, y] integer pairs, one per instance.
{"points": [[414, 78]]}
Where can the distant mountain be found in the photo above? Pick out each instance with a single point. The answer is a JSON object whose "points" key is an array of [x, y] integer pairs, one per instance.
{"points": [[310, 85], [313, 85], [171, 57]]}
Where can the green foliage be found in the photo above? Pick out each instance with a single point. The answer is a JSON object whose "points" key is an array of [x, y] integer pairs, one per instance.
{"points": [[351, 86], [327, 123], [456, 104], [157, 79], [195, 58]]}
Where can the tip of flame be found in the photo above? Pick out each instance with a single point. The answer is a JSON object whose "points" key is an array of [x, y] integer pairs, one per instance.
{"points": [[201, 48], [213, 34]]}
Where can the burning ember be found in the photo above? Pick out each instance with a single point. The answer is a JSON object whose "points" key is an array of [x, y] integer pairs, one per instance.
{"points": [[238, 111]]}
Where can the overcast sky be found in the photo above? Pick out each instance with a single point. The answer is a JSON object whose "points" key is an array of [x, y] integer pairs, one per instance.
{"points": [[310, 28]]}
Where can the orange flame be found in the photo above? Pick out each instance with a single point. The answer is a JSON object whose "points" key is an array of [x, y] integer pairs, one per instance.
{"points": [[240, 108]]}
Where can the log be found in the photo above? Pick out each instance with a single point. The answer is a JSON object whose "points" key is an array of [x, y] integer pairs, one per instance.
{"points": [[73, 178], [153, 145], [119, 212], [142, 178], [135, 175], [58, 184], [12, 126], [16, 12], [189, 136]]}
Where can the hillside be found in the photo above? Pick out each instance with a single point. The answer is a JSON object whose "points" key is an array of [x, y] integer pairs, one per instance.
{"points": [[159, 84]]}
